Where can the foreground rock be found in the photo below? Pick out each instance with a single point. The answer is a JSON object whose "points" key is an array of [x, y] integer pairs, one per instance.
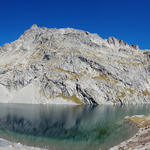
{"points": [[6, 145], [141, 141], [74, 67]]}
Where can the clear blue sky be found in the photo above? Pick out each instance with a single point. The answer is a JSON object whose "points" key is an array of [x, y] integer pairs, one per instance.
{"points": [[128, 20]]}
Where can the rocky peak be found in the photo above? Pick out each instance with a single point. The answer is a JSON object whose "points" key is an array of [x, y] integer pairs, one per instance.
{"points": [[34, 27], [136, 47], [119, 43], [72, 66]]}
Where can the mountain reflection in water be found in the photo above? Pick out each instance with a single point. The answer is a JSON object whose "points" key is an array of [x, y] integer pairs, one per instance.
{"points": [[65, 127]]}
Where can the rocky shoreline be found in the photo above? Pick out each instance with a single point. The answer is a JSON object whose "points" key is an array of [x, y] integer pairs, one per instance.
{"points": [[141, 140], [7, 145]]}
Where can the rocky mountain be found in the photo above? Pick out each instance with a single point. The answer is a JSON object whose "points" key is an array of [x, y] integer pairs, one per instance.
{"points": [[74, 67]]}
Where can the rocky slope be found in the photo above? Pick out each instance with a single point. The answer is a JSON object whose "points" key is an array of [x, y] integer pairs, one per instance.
{"points": [[74, 67]]}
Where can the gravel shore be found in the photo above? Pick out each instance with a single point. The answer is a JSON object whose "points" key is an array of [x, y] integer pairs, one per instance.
{"points": [[6, 145]]}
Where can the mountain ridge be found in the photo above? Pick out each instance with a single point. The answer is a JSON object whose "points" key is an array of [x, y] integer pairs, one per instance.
{"points": [[73, 67]]}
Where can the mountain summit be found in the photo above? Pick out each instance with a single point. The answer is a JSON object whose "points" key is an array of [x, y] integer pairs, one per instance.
{"points": [[74, 67]]}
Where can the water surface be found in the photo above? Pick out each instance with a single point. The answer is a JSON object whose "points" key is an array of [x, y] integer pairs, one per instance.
{"points": [[65, 127]]}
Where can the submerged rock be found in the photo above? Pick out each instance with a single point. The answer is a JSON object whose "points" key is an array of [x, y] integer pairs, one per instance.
{"points": [[74, 67]]}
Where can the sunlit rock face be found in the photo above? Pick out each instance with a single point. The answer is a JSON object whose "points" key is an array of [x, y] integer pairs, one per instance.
{"points": [[74, 67]]}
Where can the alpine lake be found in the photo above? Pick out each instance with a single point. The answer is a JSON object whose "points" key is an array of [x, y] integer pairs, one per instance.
{"points": [[68, 127]]}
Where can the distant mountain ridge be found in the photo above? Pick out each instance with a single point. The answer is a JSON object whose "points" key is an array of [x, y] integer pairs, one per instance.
{"points": [[72, 67]]}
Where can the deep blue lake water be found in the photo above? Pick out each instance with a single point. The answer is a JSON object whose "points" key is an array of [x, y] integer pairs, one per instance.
{"points": [[67, 127]]}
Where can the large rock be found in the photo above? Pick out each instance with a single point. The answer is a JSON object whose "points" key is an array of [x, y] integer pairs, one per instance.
{"points": [[72, 66]]}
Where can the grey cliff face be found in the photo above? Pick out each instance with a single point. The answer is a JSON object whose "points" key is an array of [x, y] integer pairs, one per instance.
{"points": [[74, 67]]}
